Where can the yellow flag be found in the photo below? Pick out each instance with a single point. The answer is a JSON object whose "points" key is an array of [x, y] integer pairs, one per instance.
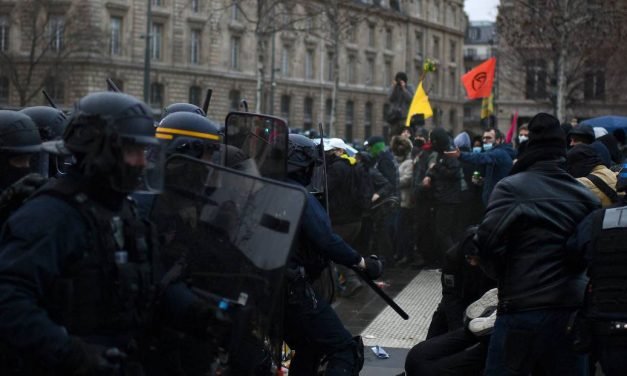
{"points": [[419, 105], [487, 106]]}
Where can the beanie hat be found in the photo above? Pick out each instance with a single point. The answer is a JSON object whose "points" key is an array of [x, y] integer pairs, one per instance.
{"points": [[440, 140], [546, 142]]}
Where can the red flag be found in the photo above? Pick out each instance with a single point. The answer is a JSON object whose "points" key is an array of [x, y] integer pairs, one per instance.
{"points": [[478, 82], [512, 128]]}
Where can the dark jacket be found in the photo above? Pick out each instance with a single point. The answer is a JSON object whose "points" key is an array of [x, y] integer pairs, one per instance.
{"points": [[342, 207], [522, 238], [386, 165], [446, 180], [496, 162]]}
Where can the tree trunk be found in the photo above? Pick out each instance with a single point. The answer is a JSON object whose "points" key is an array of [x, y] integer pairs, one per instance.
{"points": [[262, 54], [561, 90]]}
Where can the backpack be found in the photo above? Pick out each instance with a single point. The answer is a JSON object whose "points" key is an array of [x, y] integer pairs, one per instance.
{"points": [[361, 187]]}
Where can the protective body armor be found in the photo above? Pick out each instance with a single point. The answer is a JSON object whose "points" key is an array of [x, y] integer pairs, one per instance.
{"points": [[606, 298], [110, 289]]}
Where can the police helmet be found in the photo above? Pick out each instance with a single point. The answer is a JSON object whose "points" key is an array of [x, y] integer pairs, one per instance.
{"points": [[113, 135], [188, 133], [183, 107], [50, 121], [18, 134], [302, 153]]}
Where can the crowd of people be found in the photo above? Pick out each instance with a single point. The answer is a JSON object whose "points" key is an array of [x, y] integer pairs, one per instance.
{"points": [[527, 234]]}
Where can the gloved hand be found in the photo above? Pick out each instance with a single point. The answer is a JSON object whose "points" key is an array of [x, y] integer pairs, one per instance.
{"points": [[88, 359], [19, 191], [373, 267]]}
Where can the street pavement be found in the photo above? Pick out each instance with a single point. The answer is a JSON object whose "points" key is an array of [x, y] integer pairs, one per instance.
{"points": [[418, 292]]}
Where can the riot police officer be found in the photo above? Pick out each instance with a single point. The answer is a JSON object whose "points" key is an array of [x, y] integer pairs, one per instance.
{"points": [[312, 327], [78, 268], [19, 143]]}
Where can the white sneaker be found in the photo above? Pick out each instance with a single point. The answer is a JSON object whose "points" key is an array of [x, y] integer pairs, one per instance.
{"points": [[482, 326], [485, 306]]}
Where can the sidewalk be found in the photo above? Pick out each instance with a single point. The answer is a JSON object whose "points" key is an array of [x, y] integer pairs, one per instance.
{"points": [[417, 292]]}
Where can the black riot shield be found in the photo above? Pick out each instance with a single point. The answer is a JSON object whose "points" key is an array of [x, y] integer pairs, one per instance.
{"points": [[262, 139], [234, 232]]}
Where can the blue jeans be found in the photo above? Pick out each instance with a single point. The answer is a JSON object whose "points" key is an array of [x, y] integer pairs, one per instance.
{"points": [[527, 341]]}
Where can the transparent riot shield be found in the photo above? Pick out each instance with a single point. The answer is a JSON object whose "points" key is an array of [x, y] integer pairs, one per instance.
{"points": [[261, 138], [234, 232]]}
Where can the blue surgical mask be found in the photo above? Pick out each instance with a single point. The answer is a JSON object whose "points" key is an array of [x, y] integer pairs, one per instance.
{"points": [[487, 147], [476, 149]]}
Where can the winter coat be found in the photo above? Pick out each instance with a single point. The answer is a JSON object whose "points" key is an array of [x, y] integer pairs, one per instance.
{"points": [[605, 174], [496, 164], [521, 240], [405, 173]]}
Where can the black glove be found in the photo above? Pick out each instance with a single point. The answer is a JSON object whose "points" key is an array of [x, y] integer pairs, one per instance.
{"points": [[88, 359], [374, 267]]}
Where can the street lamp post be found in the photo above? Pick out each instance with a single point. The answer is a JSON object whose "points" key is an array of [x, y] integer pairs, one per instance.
{"points": [[147, 52]]}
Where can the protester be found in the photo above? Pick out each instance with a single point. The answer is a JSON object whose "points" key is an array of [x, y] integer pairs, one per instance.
{"points": [[584, 164]]}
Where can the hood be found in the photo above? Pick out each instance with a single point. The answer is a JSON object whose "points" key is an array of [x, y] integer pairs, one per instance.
{"points": [[462, 140]]}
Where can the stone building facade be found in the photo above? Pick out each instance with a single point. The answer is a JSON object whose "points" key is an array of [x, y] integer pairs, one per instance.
{"points": [[201, 44]]}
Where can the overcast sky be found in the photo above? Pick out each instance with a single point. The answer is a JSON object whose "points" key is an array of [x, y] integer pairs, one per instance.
{"points": [[481, 10]]}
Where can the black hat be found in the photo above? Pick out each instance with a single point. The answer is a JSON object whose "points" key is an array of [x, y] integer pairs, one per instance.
{"points": [[401, 76], [545, 131], [583, 131], [373, 140], [581, 159]]}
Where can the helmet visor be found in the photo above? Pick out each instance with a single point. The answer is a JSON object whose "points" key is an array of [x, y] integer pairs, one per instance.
{"points": [[141, 169]]}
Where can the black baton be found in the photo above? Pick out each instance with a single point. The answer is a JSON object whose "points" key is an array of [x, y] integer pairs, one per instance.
{"points": [[381, 293]]}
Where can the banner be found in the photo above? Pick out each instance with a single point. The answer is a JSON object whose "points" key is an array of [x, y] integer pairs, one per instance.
{"points": [[479, 81], [419, 105]]}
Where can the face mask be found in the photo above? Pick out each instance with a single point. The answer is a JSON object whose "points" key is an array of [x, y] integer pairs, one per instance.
{"points": [[487, 147], [476, 149], [522, 138]]}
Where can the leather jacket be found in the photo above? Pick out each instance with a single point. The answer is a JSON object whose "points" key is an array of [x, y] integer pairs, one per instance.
{"points": [[522, 239]]}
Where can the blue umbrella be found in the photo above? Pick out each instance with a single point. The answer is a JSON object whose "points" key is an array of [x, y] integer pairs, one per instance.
{"points": [[608, 122]]}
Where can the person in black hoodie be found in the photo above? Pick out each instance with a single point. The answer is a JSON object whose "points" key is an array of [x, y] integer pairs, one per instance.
{"points": [[443, 178]]}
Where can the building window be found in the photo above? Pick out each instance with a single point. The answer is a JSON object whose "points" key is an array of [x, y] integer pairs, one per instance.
{"points": [[594, 85], [453, 82], [352, 33], [330, 66], [195, 46], [436, 11], [156, 95], [418, 71], [436, 82], [452, 118], [195, 92], [387, 72], [235, 51], [234, 99], [4, 33], [235, 16], [368, 120], [327, 119], [285, 107], [471, 53], [467, 113], [418, 43], [55, 89], [372, 36], [453, 51], [285, 61], [308, 113], [474, 33], [157, 3], [195, 6], [350, 117], [116, 36], [389, 39], [352, 69], [157, 41], [371, 71], [56, 26], [436, 48], [4, 90], [309, 64], [536, 79]]}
